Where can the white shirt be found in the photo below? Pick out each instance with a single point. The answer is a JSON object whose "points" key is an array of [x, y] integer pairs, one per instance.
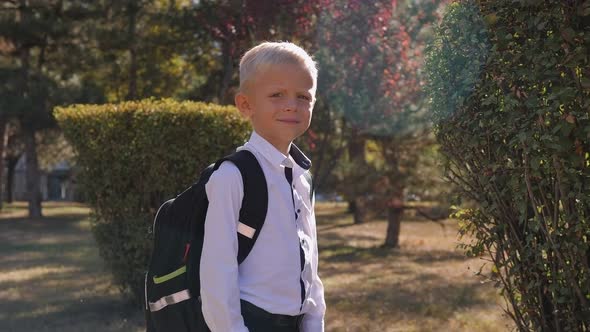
{"points": [[270, 277]]}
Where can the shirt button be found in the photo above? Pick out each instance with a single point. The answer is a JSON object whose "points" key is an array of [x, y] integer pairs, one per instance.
{"points": [[298, 210]]}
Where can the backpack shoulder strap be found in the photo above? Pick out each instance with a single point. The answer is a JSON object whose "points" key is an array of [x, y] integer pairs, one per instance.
{"points": [[254, 202]]}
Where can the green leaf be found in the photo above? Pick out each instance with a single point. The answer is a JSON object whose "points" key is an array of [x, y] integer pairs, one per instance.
{"points": [[568, 34]]}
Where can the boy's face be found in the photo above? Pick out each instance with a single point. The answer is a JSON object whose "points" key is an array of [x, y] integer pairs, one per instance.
{"points": [[279, 102]]}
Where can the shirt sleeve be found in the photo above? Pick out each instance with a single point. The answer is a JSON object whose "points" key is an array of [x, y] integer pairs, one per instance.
{"points": [[313, 320], [220, 294]]}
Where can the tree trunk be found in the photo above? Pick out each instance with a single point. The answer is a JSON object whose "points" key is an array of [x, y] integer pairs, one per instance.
{"points": [[356, 152], [395, 212], [323, 144], [351, 206], [360, 210], [394, 218], [33, 179], [32, 169], [4, 137], [132, 14], [10, 167], [226, 74]]}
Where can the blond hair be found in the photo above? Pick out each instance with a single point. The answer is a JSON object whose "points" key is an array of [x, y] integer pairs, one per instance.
{"points": [[274, 53]]}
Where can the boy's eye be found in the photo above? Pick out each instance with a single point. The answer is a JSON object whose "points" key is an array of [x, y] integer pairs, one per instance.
{"points": [[276, 94], [304, 97]]}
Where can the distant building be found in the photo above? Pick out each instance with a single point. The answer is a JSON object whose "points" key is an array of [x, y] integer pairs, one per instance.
{"points": [[56, 184]]}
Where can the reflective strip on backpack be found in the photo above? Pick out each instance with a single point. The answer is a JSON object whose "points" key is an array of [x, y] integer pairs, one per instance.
{"points": [[170, 299], [246, 230], [159, 280]]}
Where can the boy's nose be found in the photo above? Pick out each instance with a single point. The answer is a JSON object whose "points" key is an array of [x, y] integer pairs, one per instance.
{"points": [[291, 105]]}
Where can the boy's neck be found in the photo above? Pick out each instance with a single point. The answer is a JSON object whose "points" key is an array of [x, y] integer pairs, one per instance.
{"points": [[284, 150]]}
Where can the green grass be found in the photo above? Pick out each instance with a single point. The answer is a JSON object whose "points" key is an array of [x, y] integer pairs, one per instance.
{"points": [[425, 285], [52, 278]]}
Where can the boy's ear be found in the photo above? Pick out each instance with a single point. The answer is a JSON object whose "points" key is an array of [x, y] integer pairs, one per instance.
{"points": [[243, 104]]}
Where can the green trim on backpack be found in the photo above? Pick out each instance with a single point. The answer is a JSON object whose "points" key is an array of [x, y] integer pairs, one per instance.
{"points": [[159, 280]]}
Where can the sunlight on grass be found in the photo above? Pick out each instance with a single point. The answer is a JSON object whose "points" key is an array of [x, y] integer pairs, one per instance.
{"points": [[425, 285], [53, 279], [49, 209], [83, 225], [328, 208], [44, 310], [34, 273], [57, 209], [489, 320]]}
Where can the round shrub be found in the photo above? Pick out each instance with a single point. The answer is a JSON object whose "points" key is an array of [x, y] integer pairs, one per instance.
{"points": [[135, 155]]}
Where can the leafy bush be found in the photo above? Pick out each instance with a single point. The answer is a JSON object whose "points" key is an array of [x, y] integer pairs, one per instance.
{"points": [[518, 144], [135, 155]]}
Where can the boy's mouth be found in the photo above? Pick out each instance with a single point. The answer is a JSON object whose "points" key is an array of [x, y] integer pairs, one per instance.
{"points": [[294, 121]]}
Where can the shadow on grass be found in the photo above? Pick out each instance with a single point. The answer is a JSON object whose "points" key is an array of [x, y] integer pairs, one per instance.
{"points": [[52, 278], [339, 253], [64, 286], [94, 314], [343, 219], [45, 248], [428, 295], [46, 221], [422, 286], [333, 220]]}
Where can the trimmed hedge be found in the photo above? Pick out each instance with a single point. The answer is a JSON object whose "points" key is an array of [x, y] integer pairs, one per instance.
{"points": [[135, 155], [517, 140]]}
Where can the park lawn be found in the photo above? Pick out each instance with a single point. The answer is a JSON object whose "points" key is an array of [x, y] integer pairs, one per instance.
{"points": [[425, 285], [52, 278]]}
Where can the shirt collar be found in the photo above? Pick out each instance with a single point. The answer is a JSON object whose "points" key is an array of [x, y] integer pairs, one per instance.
{"points": [[276, 157], [300, 158]]}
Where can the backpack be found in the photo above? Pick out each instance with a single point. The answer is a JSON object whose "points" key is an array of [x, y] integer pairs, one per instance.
{"points": [[172, 283]]}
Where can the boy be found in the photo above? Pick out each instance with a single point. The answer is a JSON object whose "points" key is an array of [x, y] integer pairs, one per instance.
{"points": [[277, 287]]}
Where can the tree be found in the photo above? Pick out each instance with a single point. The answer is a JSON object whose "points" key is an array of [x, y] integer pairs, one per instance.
{"points": [[237, 25], [39, 40], [140, 49], [3, 143], [371, 74], [13, 150]]}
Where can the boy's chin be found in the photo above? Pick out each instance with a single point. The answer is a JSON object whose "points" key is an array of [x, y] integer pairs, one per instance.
{"points": [[283, 135], [293, 136]]}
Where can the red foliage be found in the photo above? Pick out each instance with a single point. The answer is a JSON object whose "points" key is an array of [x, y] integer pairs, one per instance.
{"points": [[242, 23], [375, 49], [368, 50]]}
